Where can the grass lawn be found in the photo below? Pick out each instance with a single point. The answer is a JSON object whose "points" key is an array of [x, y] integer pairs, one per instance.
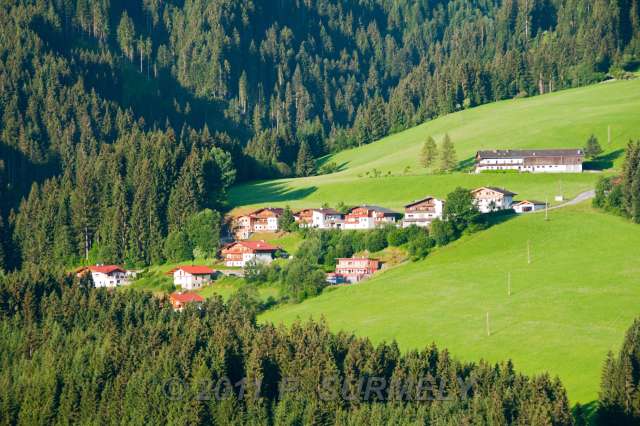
{"points": [[227, 286], [561, 119], [568, 307], [156, 280], [288, 241]]}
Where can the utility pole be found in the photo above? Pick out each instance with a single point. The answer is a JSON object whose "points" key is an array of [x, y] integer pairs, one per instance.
{"points": [[488, 328], [546, 209]]}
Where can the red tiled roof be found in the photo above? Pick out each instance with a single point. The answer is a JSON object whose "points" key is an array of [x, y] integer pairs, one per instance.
{"points": [[195, 269], [105, 269], [186, 297]]}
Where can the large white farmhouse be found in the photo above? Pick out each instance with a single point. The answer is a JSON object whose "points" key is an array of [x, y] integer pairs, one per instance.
{"points": [[531, 160]]}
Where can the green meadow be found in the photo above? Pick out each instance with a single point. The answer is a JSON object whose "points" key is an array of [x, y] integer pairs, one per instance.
{"points": [[568, 307], [558, 120]]}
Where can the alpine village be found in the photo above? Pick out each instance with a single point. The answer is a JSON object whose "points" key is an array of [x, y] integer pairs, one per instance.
{"points": [[347, 212]]}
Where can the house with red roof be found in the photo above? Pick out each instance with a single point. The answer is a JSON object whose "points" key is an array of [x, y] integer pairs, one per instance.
{"points": [[191, 277], [355, 269], [180, 299], [240, 253], [105, 275]]}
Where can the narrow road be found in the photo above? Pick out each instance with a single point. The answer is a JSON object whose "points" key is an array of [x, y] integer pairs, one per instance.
{"points": [[587, 195]]}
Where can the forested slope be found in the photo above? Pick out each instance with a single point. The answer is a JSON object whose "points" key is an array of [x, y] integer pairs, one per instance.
{"points": [[124, 104], [72, 354]]}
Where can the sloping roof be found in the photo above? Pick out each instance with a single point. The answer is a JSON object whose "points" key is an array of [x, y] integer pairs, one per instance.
{"points": [[186, 297], [105, 269], [535, 202], [195, 269], [254, 245], [521, 153], [376, 208], [495, 188], [274, 210], [328, 211], [413, 203]]}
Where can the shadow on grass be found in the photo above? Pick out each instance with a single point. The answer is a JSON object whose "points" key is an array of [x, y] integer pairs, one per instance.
{"points": [[466, 165], [603, 162], [268, 192], [498, 217]]}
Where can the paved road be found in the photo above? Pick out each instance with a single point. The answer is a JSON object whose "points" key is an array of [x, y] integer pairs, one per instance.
{"points": [[587, 195]]}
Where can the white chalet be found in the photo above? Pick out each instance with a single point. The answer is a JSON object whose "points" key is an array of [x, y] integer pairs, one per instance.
{"points": [[191, 277], [422, 212], [240, 253], [489, 199], [105, 275], [369, 217]]}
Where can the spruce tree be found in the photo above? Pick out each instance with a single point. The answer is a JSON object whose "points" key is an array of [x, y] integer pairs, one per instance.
{"points": [[429, 153], [305, 164], [448, 161], [592, 149]]}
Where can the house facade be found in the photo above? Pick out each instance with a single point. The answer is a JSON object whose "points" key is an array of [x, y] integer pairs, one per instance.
{"points": [[191, 277], [324, 218], [262, 220], [179, 299], [422, 212], [369, 217], [531, 161], [355, 269], [489, 199], [105, 275], [240, 253], [527, 206], [304, 218]]}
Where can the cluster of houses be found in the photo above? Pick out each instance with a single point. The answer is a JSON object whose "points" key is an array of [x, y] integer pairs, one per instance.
{"points": [[419, 213]]}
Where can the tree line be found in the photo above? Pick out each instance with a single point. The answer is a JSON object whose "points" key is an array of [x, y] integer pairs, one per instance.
{"points": [[621, 194], [74, 354]]}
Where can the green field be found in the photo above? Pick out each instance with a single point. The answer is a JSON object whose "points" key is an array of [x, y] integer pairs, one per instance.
{"points": [[562, 120], [567, 309]]}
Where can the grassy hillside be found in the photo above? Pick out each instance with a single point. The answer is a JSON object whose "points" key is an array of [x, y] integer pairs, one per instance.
{"points": [[563, 120], [567, 309]]}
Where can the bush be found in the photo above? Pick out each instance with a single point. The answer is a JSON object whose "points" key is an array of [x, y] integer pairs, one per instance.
{"points": [[442, 232], [376, 240], [397, 237], [419, 247]]}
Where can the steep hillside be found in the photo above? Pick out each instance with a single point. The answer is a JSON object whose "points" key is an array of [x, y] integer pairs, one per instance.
{"points": [[562, 119], [568, 307]]}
